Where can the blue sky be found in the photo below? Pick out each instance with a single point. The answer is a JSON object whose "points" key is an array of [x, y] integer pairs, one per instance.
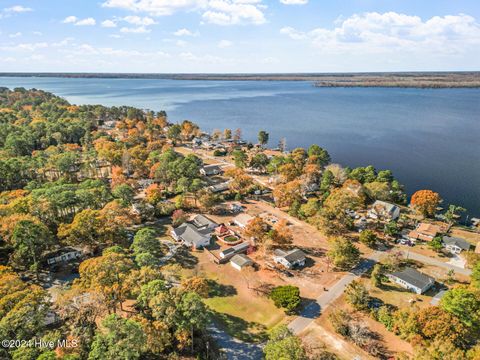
{"points": [[239, 35]]}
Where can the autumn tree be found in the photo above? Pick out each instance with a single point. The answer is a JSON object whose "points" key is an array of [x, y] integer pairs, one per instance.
{"points": [[357, 295], [425, 202], [154, 193], [368, 237], [241, 181], [320, 155], [286, 194], [343, 254], [179, 217], [281, 235], [197, 285], [283, 344], [118, 339], [106, 275], [257, 229]]}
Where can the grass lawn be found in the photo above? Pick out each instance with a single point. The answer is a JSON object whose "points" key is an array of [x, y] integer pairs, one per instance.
{"points": [[237, 309]]}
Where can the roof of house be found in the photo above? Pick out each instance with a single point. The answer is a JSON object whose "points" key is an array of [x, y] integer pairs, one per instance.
{"points": [[235, 249], [243, 219], [241, 260], [189, 233], [219, 187], [212, 169], [428, 229], [202, 221], [291, 256], [380, 206], [414, 277], [461, 243]]}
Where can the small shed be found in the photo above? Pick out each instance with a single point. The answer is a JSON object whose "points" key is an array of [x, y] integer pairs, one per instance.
{"points": [[240, 261]]}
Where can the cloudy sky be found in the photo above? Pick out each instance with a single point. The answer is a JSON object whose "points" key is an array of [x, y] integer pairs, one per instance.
{"points": [[239, 35]]}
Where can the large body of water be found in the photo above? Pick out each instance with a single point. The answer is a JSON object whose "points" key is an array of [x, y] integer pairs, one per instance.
{"points": [[430, 139]]}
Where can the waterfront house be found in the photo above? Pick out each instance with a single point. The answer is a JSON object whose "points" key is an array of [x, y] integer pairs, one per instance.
{"points": [[290, 259], [425, 232], [242, 220], [240, 261], [210, 170], [455, 245], [412, 280], [384, 211]]}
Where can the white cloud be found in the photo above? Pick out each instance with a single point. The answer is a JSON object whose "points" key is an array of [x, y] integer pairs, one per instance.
{"points": [[135, 30], [37, 33], [115, 36], [86, 22], [374, 32], [25, 47], [17, 9], [15, 35], [222, 44], [79, 22], [109, 24], [220, 12], [232, 12], [137, 20], [70, 20], [294, 2], [181, 43], [185, 32]]}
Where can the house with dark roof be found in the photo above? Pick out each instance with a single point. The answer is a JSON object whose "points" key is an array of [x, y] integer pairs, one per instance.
{"points": [[220, 187], [234, 250], [455, 245], [290, 259], [210, 170], [412, 280], [196, 233], [384, 211]]}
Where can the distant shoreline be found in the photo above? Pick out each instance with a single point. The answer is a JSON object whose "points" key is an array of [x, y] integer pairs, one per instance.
{"points": [[434, 80]]}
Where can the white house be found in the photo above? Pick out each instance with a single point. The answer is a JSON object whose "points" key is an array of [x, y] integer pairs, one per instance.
{"points": [[234, 250], [210, 170], [455, 245], [240, 261], [242, 220], [413, 280], [290, 259], [64, 255], [384, 211]]}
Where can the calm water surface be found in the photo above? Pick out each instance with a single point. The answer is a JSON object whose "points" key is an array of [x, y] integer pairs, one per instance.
{"points": [[429, 138]]}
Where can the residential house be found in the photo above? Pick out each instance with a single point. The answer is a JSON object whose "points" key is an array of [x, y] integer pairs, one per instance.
{"points": [[426, 232], [290, 259], [218, 188], [210, 170], [242, 220], [196, 233], [240, 261], [64, 255], [384, 211], [413, 280], [455, 245]]}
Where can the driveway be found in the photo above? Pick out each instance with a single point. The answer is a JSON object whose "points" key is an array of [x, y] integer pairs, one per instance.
{"points": [[235, 349], [432, 261], [312, 311]]}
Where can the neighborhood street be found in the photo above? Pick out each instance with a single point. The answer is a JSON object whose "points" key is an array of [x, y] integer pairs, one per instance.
{"points": [[312, 311], [235, 349], [431, 261]]}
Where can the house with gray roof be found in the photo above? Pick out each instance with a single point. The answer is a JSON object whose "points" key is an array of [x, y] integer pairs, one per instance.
{"points": [[412, 280], [455, 245], [233, 250], [196, 233], [384, 211], [290, 259], [210, 170]]}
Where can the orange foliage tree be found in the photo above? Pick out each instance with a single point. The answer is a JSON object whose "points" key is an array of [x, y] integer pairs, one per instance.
{"points": [[425, 202]]}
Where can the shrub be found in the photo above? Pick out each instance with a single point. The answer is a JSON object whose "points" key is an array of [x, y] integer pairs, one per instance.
{"points": [[287, 297]]}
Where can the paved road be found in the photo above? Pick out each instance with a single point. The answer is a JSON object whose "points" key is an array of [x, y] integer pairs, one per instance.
{"points": [[432, 261], [235, 349], [312, 311]]}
